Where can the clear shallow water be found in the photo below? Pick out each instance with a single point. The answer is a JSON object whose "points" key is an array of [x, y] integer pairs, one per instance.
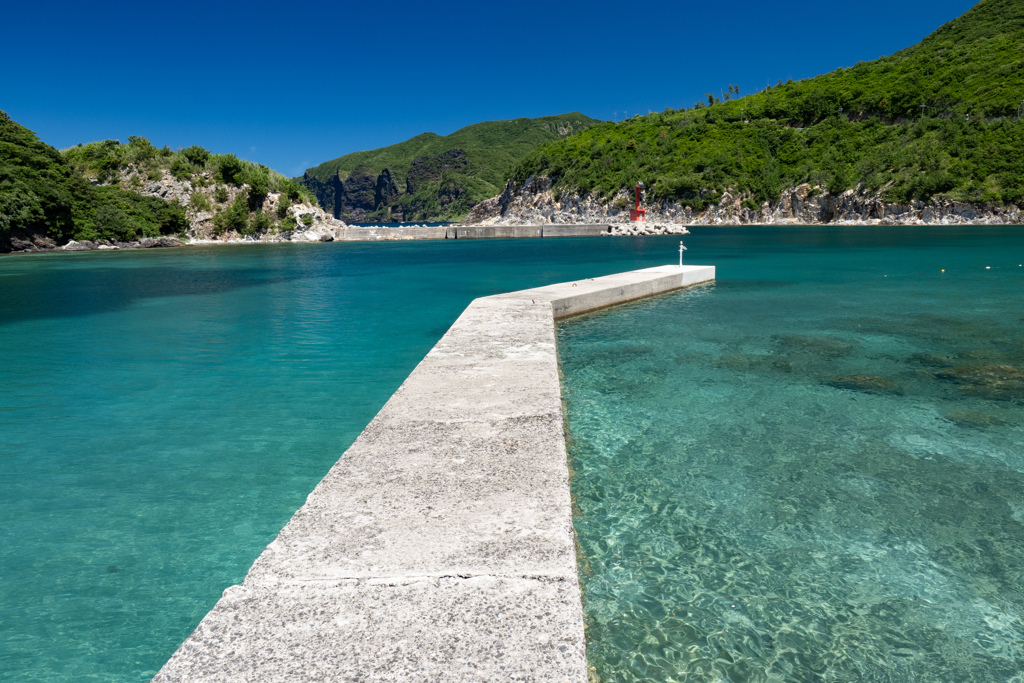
{"points": [[163, 413], [812, 470]]}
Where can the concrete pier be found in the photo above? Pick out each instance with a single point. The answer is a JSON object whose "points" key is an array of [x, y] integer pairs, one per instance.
{"points": [[440, 546]]}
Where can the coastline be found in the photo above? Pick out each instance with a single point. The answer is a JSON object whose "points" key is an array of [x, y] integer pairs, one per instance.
{"points": [[536, 201]]}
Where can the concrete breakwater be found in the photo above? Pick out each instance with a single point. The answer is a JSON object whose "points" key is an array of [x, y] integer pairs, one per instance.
{"points": [[357, 233], [463, 232], [440, 546]]}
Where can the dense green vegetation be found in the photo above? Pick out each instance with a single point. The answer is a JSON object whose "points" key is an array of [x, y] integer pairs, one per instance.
{"points": [[40, 194], [859, 126], [90, 192], [110, 160], [440, 177]]}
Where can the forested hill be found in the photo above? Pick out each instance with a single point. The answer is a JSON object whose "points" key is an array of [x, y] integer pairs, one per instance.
{"points": [[44, 199], [114, 192], [938, 119], [432, 176]]}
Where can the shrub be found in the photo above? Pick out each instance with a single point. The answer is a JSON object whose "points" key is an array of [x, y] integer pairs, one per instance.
{"points": [[155, 175], [282, 206], [307, 219], [260, 223], [111, 222], [236, 217], [259, 185], [199, 202], [181, 168], [139, 149], [289, 223], [196, 155], [220, 195], [230, 169]]}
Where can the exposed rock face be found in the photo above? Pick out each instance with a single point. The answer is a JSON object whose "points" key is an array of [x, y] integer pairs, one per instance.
{"points": [[354, 197], [535, 202], [357, 196], [325, 191], [386, 191]]}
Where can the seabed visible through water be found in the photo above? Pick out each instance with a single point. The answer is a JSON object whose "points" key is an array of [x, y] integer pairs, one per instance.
{"points": [[812, 470]]}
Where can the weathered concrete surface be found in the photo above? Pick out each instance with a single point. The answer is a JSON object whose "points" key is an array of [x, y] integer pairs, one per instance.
{"points": [[572, 298], [356, 233], [440, 546], [474, 232], [464, 232], [555, 230]]}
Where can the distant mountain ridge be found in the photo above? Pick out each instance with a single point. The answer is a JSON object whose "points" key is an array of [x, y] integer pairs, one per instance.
{"points": [[433, 177]]}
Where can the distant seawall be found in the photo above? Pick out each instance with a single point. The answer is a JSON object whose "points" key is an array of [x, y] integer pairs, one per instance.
{"points": [[463, 232], [440, 546]]}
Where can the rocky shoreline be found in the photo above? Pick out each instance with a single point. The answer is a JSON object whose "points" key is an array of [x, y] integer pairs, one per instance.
{"points": [[535, 202]]}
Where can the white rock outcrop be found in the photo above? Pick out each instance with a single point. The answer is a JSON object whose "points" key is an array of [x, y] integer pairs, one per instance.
{"points": [[535, 202]]}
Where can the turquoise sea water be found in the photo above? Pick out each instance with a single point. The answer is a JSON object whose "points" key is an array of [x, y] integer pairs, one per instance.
{"points": [[163, 413], [812, 470]]}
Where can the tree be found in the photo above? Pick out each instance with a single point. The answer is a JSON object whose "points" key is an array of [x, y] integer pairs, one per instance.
{"points": [[196, 155], [231, 168]]}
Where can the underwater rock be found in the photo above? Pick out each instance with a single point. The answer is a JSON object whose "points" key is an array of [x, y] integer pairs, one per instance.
{"points": [[871, 384], [1002, 391], [819, 345], [993, 382], [749, 361], [929, 360], [983, 374], [974, 419]]}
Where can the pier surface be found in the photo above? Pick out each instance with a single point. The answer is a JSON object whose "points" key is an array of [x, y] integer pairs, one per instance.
{"points": [[440, 546]]}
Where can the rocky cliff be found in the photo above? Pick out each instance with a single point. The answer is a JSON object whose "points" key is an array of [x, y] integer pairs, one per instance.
{"points": [[534, 202], [432, 186], [431, 177]]}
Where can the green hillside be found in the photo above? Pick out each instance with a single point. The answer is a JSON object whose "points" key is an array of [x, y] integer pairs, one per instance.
{"points": [[97, 191], [940, 118], [43, 197], [430, 176]]}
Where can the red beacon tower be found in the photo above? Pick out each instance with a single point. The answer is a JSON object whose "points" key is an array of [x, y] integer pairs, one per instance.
{"points": [[638, 215]]}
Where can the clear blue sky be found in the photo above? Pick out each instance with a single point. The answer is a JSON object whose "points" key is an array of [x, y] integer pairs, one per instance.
{"points": [[292, 84]]}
